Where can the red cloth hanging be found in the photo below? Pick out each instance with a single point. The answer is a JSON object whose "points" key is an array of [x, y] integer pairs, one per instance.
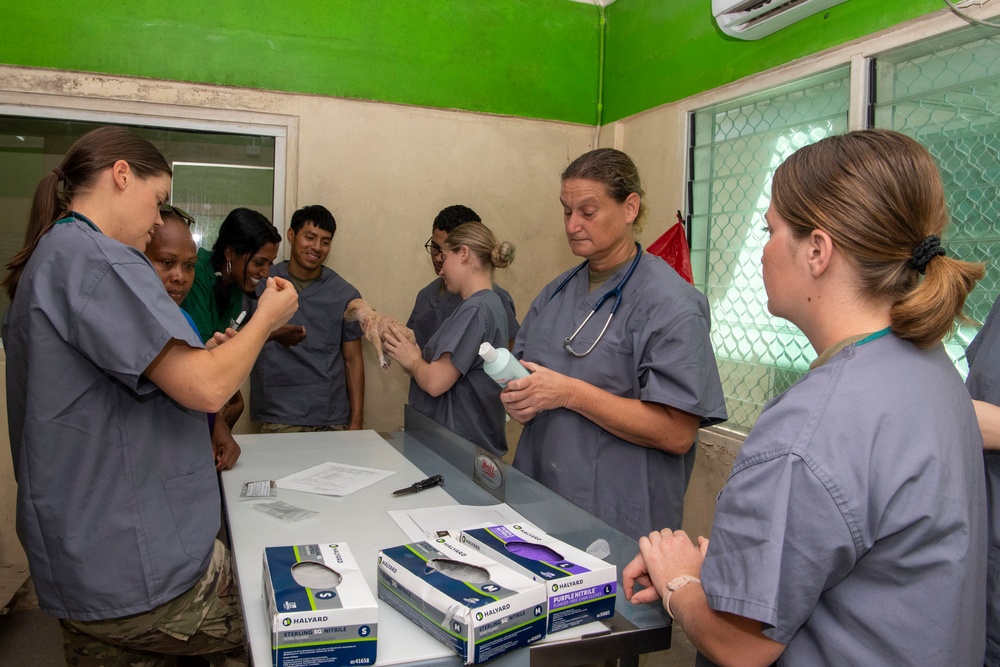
{"points": [[672, 246]]}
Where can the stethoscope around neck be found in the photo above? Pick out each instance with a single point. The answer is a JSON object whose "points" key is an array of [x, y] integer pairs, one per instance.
{"points": [[616, 292]]}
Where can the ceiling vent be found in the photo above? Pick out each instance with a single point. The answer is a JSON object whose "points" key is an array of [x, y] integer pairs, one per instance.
{"points": [[753, 19]]}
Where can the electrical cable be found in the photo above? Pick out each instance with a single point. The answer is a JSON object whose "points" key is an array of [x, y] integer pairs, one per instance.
{"points": [[971, 19], [602, 27]]}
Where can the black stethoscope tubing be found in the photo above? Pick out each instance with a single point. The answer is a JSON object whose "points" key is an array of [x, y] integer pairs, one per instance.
{"points": [[616, 292]]}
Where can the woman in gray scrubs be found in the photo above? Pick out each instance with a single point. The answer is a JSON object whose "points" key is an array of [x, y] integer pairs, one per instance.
{"points": [[611, 417], [984, 386], [107, 389], [450, 385], [852, 530]]}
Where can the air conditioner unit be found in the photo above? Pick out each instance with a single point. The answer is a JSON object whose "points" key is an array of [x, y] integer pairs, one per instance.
{"points": [[753, 19]]}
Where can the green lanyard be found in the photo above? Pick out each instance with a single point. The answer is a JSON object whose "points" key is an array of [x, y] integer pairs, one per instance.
{"points": [[878, 334], [73, 216]]}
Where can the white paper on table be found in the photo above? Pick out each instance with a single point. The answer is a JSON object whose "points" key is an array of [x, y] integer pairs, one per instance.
{"points": [[424, 523], [333, 479]]}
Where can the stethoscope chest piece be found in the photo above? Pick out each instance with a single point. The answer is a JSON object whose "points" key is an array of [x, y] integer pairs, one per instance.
{"points": [[616, 293]]}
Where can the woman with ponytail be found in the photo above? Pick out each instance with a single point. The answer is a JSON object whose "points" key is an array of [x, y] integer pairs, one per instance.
{"points": [[450, 385], [107, 389], [852, 529]]}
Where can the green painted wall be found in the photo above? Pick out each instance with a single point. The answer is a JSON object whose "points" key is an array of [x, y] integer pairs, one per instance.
{"points": [[533, 58], [661, 51]]}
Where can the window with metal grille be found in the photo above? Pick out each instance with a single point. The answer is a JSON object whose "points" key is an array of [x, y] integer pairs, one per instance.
{"points": [[735, 148], [945, 93]]}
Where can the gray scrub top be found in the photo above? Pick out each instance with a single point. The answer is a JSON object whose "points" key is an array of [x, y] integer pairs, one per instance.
{"points": [[434, 304], [305, 384], [984, 385], [853, 525], [656, 349], [118, 499], [472, 407]]}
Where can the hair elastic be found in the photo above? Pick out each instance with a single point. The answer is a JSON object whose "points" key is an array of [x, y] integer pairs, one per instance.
{"points": [[928, 249], [59, 174]]}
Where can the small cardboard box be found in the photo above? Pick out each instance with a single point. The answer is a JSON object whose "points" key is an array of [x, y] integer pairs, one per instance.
{"points": [[471, 603], [320, 607], [581, 587]]}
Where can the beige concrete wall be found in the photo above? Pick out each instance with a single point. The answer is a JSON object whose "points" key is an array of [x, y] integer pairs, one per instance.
{"points": [[384, 171]]}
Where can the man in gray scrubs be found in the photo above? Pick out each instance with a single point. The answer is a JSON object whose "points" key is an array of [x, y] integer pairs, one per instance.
{"points": [[311, 375]]}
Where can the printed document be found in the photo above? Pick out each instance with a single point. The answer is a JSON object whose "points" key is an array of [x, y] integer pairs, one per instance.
{"points": [[333, 479]]}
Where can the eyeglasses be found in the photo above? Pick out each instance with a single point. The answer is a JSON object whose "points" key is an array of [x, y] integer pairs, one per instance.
{"points": [[433, 248], [179, 212]]}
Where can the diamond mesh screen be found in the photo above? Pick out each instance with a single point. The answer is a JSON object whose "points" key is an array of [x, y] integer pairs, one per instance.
{"points": [[945, 93], [737, 146]]}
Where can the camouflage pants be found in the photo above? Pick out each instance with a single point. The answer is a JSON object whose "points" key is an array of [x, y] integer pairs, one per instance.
{"points": [[204, 621], [269, 427]]}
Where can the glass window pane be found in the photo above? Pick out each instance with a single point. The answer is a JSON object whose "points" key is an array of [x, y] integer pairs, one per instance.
{"points": [[945, 92], [739, 144], [214, 172]]}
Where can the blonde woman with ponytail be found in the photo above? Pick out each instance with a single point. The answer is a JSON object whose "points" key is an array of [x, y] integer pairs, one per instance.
{"points": [[450, 385], [852, 530]]}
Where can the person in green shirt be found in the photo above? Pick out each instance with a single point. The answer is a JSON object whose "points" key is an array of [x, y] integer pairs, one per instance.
{"points": [[240, 259], [237, 263]]}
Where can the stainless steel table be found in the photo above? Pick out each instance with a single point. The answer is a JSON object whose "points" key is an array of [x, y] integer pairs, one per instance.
{"points": [[471, 478]]}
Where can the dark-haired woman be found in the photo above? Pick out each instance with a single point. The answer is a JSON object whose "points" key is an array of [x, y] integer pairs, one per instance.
{"points": [[852, 530], [107, 386], [240, 259]]}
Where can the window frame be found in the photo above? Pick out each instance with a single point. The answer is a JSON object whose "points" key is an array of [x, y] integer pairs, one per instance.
{"points": [[280, 128], [861, 56]]}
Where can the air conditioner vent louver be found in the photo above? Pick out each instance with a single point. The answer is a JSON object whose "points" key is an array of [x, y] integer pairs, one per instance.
{"points": [[753, 19]]}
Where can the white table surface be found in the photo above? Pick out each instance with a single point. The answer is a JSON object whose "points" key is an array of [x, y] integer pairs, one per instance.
{"points": [[360, 520]]}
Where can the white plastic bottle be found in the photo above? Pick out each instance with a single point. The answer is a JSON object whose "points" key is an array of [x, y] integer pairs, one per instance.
{"points": [[501, 364]]}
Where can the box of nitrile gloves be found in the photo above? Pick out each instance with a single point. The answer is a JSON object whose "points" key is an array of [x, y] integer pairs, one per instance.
{"points": [[319, 606], [581, 588], [473, 604]]}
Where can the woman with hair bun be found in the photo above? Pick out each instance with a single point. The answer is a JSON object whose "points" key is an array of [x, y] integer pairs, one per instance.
{"points": [[450, 385], [852, 530]]}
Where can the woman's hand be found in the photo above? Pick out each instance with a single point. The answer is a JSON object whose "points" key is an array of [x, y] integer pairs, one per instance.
{"points": [[224, 446], [288, 335], [401, 348], [642, 423], [663, 555], [232, 410], [544, 389], [218, 338], [277, 303]]}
